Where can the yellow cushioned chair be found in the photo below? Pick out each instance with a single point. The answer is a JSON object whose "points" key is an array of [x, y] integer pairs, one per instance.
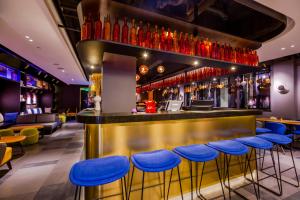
{"points": [[6, 132], [5, 155], [32, 136]]}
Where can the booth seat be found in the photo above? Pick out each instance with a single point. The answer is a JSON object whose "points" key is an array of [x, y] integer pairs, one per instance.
{"points": [[49, 121], [5, 155]]}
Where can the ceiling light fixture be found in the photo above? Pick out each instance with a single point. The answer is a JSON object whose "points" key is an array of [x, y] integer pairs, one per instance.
{"points": [[214, 79], [145, 55], [27, 37], [233, 68], [72, 79], [292, 46], [282, 48], [63, 71], [160, 69], [92, 67], [143, 69], [30, 40], [196, 62]]}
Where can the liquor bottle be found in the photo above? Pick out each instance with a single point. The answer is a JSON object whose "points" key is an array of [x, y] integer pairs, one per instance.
{"points": [[186, 43], [125, 31], [181, 43], [192, 45], [222, 52], [133, 33], [175, 42], [217, 51], [107, 28], [198, 47], [140, 35], [169, 41], [156, 42], [148, 37], [86, 30], [226, 52], [203, 49], [98, 28], [163, 39], [213, 50], [207, 48], [116, 30]]}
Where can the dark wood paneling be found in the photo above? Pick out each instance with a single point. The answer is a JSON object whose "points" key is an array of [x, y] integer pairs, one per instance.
{"points": [[9, 96]]}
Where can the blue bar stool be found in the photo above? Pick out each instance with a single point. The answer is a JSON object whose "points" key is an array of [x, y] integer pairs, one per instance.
{"points": [[156, 161], [100, 171], [279, 141], [199, 153], [256, 143], [263, 130], [231, 148]]}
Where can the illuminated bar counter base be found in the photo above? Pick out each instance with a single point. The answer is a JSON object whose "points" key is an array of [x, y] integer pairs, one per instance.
{"points": [[127, 134]]}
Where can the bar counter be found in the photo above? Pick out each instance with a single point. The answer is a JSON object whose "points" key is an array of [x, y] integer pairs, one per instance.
{"points": [[127, 134]]}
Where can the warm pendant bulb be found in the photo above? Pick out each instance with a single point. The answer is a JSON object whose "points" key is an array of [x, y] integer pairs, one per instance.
{"points": [[143, 69], [137, 77], [160, 69]]}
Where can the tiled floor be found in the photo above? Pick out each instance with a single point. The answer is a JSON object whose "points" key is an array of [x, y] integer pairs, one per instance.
{"points": [[42, 173]]}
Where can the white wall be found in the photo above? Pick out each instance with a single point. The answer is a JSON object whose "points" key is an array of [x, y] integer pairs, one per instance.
{"points": [[284, 105], [118, 84], [298, 90]]}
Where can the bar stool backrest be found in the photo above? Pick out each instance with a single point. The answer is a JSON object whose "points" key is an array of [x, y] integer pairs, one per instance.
{"points": [[276, 127]]}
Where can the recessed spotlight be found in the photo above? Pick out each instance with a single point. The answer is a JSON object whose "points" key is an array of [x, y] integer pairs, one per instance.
{"points": [[145, 55], [292, 46], [63, 71], [196, 62], [72, 79], [193, 83], [30, 40], [92, 67], [282, 48], [233, 68], [263, 76], [27, 37], [214, 79]]}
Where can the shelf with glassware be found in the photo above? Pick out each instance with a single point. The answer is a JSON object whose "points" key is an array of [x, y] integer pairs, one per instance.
{"points": [[179, 47], [250, 90]]}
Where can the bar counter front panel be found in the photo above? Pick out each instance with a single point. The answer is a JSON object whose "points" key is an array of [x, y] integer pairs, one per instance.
{"points": [[128, 138]]}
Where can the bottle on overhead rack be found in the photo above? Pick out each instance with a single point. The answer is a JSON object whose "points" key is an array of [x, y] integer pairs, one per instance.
{"points": [[163, 39], [198, 47], [140, 35], [107, 28], [98, 28], [86, 29], [192, 45], [186, 44], [133, 33], [116, 30], [181, 43], [156, 42], [148, 37], [169, 41], [175, 42], [125, 31]]}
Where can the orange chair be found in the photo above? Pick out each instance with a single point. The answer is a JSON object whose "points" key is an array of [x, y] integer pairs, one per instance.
{"points": [[5, 155]]}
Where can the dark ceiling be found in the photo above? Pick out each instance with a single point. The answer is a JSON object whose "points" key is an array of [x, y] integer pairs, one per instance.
{"points": [[235, 17]]}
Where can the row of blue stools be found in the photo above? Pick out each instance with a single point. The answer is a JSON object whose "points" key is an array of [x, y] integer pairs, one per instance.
{"points": [[101, 171]]}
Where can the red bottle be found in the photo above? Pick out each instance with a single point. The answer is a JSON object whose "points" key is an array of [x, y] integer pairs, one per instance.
{"points": [[222, 52], [116, 31], [217, 51], [125, 32], [163, 39], [198, 47], [155, 39], [186, 44], [86, 29], [150, 106], [202, 51], [148, 37], [213, 50], [98, 29], [107, 28], [169, 43], [181, 43], [140, 36]]}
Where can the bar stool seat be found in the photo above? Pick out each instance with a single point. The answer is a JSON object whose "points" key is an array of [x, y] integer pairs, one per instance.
{"points": [[276, 138], [263, 130], [229, 147], [155, 161], [99, 171], [255, 142], [197, 152]]}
